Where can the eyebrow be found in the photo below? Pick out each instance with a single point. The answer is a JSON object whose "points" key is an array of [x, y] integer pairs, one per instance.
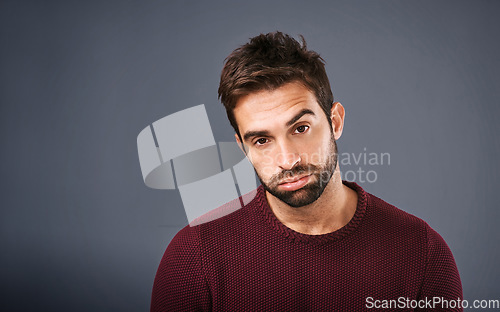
{"points": [[264, 133], [303, 112], [251, 134]]}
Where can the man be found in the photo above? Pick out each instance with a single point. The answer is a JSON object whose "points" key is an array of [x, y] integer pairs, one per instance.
{"points": [[308, 241]]}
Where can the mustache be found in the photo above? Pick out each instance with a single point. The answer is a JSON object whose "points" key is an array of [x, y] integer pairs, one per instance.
{"points": [[295, 171]]}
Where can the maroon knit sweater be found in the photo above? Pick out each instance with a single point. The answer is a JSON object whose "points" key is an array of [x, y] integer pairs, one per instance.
{"points": [[249, 261]]}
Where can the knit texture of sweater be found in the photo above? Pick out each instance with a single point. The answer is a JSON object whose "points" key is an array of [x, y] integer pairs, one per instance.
{"points": [[249, 261]]}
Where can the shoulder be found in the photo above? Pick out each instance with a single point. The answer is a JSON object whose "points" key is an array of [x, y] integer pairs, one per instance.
{"points": [[377, 212], [214, 231], [180, 283], [402, 226], [390, 217], [232, 219], [413, 235], [186, 239], [182, 252]]}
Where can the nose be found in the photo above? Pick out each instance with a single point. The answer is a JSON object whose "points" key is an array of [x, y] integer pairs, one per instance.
{"points": [[287, 156]]}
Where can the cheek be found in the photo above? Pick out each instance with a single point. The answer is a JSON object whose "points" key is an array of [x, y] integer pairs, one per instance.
{"points": [[316, 151], [264, 163]]}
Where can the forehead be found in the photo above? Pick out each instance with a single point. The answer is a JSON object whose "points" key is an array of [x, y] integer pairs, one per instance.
{"points": [[264, 110]]}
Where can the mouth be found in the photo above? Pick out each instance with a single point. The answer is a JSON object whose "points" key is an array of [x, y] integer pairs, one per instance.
{"points": [[294, 183]]}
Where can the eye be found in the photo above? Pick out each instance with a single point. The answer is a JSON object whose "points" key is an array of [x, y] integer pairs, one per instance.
{"points": [[261, 141], [301, 129]]}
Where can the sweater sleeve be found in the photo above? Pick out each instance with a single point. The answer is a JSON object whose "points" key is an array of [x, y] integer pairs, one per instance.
{"points": [[180, 284], [441, 281]]}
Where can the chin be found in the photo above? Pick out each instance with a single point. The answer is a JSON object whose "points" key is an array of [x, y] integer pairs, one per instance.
{"points": [[299, 198]]}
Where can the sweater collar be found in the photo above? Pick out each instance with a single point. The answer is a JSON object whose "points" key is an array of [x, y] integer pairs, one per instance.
{"points": [[263, 208]]}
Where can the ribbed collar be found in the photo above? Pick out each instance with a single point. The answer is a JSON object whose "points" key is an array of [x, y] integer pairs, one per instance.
{"points": [[262, 207]]}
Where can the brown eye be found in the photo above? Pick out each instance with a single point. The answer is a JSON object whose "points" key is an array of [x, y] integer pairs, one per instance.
{"points": [[301, 129], [261, 141]]}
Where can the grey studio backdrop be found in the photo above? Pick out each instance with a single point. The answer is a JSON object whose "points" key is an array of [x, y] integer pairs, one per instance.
{"points": [[80, 231]]}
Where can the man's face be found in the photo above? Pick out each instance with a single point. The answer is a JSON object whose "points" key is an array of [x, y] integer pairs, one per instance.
{"points": [[289, 141]]}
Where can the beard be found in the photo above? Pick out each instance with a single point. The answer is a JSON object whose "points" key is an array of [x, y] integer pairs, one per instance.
{"points": [[309, 193]]}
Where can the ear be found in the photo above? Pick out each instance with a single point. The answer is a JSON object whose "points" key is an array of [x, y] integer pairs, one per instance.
{"points": [[337, 117]]}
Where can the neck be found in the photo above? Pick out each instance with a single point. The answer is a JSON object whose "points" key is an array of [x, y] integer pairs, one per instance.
{"points": [[330, 212]]}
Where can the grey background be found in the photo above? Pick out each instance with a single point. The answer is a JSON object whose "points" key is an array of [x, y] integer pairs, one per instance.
{"points": [[80, 231]]}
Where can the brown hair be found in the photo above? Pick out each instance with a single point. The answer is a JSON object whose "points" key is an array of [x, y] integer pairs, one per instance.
{"points": [[266, 63]]}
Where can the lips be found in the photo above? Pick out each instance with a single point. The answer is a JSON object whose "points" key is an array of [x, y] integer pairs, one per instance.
{"points": [[294, 183], [294, 179]]}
